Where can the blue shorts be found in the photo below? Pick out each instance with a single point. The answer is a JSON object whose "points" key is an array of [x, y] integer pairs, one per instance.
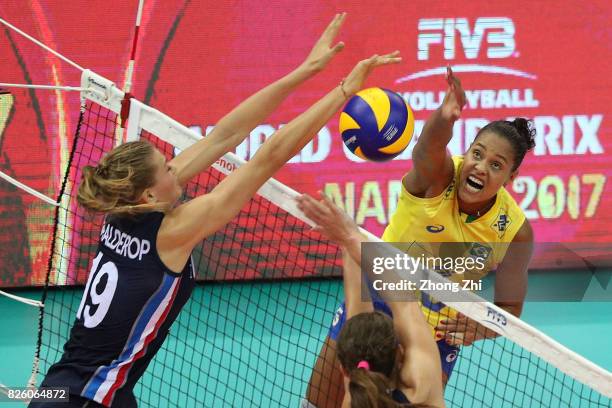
{"points": [[448, 353]]}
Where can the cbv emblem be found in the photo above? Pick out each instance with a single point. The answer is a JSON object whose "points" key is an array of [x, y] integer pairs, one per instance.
{"points": [[498, 33]]}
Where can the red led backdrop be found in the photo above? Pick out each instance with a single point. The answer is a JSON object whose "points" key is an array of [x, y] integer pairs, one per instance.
{"points": [[198, 59]]}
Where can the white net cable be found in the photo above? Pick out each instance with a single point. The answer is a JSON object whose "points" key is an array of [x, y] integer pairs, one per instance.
{"points": [[27, 301], [40, 44]]}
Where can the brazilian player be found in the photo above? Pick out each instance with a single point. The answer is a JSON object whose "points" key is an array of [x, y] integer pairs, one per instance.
{"points": [[142, 274], [454, 199]]}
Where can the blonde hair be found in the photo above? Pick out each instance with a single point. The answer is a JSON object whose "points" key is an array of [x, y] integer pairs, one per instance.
{"points": [[116, 184]]}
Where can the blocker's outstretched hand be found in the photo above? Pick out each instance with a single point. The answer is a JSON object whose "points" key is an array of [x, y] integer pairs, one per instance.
{"points": [[330, 220], [354, 81], [323, 50]]}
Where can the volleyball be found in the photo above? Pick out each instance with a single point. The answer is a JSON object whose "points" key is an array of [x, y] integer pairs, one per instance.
{"points": [[376, 124]]}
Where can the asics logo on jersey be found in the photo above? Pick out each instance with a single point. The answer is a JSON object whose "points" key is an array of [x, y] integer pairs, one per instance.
{"points": [[435, 228]]}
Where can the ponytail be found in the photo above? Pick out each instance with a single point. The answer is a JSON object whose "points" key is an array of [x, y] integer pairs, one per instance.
{"points": [[367, 349], [369, 389], [526, 131], [116, 184]]}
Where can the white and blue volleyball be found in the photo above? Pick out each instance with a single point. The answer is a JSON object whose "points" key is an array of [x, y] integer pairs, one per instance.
{"points": [[376, 124]]}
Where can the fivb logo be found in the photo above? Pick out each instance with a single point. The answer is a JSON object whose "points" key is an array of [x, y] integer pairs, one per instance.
{"points": [[497, 31]]}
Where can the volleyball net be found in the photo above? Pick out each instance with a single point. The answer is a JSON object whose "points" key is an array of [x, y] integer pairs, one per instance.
{"points": [[252, 330]]}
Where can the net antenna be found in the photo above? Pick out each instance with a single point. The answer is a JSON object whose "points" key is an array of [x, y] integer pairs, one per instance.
{"points": [[125, 104]]}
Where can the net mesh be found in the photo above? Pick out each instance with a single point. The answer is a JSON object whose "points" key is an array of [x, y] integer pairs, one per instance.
{"points": [[252, 331], [14, 245]]}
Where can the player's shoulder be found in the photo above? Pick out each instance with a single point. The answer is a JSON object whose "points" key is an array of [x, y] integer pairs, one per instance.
{"points": [[525, 233]]}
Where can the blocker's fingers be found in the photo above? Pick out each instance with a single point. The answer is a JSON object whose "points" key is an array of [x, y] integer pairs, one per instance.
{"points": [[328, 203], [314, 216], [333, 28], [393, 54], [317, 228], [302, 201], [394, 60], [322, 210], [314, 205], [311, 210], [391, 58], [312, 202]]}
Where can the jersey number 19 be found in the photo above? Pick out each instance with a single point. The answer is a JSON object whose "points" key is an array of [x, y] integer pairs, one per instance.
{"points": [[96, 300]]}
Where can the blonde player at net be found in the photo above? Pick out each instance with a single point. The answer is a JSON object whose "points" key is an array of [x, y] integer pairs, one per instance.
{"points": [[384, 362], [460, 199], [142, 275]]}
